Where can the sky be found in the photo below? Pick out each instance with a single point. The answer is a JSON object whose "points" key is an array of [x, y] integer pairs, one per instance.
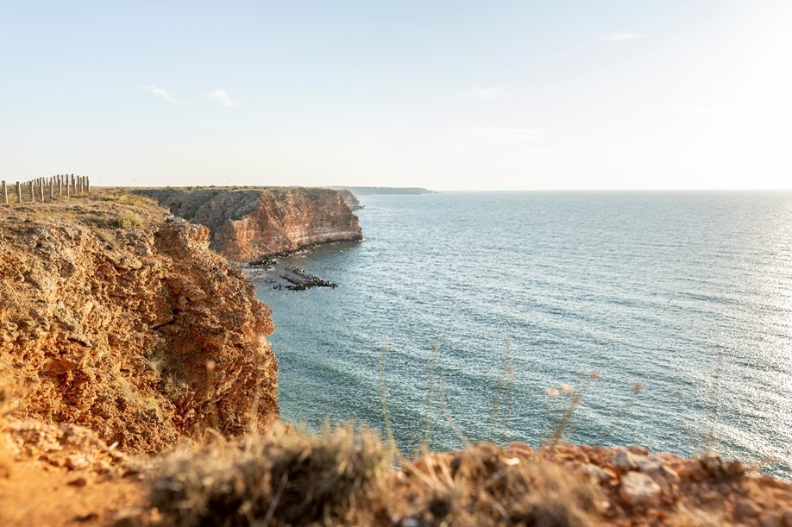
{"points": [[448, 95]]}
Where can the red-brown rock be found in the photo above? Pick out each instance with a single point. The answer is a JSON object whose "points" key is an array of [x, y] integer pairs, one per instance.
{"points": [[248, 225], [112, 328]]}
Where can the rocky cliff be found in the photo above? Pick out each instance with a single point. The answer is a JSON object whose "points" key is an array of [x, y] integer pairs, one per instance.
{"points": [[119, 319], [248, 225], [350, 199]]}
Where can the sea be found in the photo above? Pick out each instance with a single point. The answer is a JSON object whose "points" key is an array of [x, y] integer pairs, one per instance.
{"points": [[661, 319]]}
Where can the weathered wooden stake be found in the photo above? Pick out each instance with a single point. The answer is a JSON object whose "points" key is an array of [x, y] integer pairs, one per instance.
{"points": [[41, 189], [32, 192], [52, 189], [87, 185], [68, 187], [5, 193], [19, 192]]}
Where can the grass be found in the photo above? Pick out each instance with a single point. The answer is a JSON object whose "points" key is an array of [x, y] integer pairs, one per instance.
{"points": [[384, 397], [285, 477], [488, 485], [430, 396], [498, 421], [128, 220], [623, 412], [124, 196], [341, 477]]}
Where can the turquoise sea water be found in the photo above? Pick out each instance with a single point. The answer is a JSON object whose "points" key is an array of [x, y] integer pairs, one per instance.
{"points": [[689, 294]]}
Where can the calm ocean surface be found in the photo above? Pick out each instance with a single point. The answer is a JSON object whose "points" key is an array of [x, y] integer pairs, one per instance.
{"points": [[689, 294]]}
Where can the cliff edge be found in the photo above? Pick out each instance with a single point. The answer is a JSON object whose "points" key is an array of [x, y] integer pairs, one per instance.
{"points": [[250, 225], [115, 317]]}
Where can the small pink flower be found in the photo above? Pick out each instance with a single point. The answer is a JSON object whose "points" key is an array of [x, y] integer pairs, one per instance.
{"points": [[552, 392], [566, 389]]}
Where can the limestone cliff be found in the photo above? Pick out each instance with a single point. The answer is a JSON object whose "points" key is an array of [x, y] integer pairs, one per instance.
{"points": [[350, 199], [119, 319], [248, 225]]}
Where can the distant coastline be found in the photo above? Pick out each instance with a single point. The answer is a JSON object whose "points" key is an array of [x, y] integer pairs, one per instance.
{"points": [[391, 191]]}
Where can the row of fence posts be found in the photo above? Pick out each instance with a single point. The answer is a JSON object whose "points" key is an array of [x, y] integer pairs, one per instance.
{"points": [[46, 188]]}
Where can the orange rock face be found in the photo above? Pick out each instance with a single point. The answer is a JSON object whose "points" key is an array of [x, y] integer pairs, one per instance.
{"points": [[248, 225], [141, 334]]}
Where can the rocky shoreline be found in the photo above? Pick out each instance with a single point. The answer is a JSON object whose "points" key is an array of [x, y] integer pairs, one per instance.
{"points": [[124, 337], [256, 225]]}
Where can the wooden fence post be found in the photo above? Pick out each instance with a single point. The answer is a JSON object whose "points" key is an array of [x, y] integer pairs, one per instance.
{"points": [[41, 189], [19, 192], [87, 185], [68, 187], [5, 193], [32, 193], [52, 189]]}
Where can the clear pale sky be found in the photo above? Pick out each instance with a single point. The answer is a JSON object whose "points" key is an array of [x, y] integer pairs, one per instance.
{"points": [[441, 94]]}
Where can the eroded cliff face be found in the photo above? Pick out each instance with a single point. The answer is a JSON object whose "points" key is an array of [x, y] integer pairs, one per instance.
{"points": [[350, 199], [116, 318], [248, 225]]}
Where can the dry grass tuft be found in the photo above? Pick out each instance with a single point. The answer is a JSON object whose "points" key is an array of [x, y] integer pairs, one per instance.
{"points": [[486, 485], [342, 477], [128, 219], [284, 477], [126, 197]]}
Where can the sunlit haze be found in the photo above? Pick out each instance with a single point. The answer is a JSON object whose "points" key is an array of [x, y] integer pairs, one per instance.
{"points": [[439, 94]]}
